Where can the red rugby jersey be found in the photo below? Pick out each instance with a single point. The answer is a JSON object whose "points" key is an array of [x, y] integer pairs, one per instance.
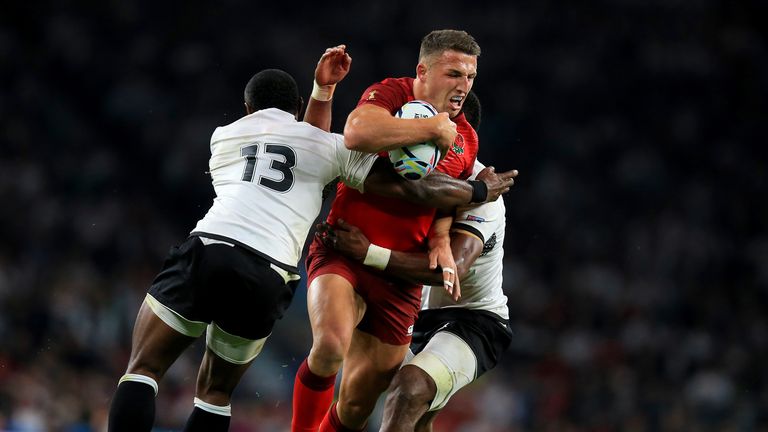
{"points": [[393, 223]]}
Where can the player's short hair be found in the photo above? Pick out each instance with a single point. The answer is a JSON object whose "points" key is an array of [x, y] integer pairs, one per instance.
{"points": [[438, 41], [273, 88], [471, 109]]}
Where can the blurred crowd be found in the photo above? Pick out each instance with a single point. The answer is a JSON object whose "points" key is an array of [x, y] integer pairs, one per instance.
{"points": [[637, 251]]}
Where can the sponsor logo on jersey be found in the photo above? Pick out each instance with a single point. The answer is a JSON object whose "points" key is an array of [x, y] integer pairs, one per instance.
{"points": [[372, 95], [475, 218]]}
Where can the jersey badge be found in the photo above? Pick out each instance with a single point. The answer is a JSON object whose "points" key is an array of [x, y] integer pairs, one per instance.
{"points": [[475, 218], [458, 145], [372, 94], [410, 330], [488, 246]]}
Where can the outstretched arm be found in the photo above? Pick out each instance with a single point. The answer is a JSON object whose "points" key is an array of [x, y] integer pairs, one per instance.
{"points": [[437, 189], [332, 67]]}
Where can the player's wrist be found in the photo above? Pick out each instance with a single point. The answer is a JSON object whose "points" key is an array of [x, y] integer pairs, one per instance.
{"points": [[479, 191], [439, 240], [322, 93], [377, 257]]}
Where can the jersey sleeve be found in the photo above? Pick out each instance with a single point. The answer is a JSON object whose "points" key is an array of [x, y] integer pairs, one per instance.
{"points": [[480, 220], [354, 166], [385, 94]]}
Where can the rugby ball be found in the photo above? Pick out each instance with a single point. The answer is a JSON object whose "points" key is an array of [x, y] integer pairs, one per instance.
{"points": [[418, 160]]}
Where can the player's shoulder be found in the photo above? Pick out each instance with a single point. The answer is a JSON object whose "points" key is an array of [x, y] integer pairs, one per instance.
{"points": [[395, 91], [402, 82], [337, 140], [256, 122], [486, 221], [314, 140]]}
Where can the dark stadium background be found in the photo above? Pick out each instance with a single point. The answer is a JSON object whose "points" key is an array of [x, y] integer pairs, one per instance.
{"points": [[637, 251]]}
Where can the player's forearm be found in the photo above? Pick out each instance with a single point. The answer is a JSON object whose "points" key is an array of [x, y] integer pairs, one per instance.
{"points": [[372, 129], [413, 267], [440, 230], [318, 114], [436, 190], [441, 191], [410, 266]]}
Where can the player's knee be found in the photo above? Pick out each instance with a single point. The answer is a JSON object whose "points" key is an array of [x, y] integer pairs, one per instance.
{"points": [[217, 391], [425, 423], [329, 349], [147, 369], [412, 387], [355, 412], [214, 395]]}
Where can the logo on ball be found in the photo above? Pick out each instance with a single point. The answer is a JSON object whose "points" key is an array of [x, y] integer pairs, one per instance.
{"points": [[418, 160]]}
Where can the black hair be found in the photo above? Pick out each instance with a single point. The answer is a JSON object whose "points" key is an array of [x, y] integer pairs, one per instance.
{"points": [[273, 88], [471, 110]]}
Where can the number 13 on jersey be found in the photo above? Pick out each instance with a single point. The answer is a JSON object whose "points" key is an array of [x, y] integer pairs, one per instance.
{"points": [[272, 168]]}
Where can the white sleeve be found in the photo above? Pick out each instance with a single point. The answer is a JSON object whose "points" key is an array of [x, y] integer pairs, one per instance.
{"points": [[354, 165], [480, 220]]}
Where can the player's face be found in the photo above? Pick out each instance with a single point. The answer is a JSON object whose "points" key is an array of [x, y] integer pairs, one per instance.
{"points": [[447, 79]]}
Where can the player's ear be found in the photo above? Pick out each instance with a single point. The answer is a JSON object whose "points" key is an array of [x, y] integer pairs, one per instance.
{"points": [[248, 109], [421, 71]]}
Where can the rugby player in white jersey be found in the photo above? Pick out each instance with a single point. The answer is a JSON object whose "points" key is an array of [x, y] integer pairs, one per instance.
{"points": [[453, 342], [237, 272]]}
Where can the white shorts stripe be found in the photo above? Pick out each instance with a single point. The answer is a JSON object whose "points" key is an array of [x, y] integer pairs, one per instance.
{"points": [[232, 348], [174, 320], [450, 362]]}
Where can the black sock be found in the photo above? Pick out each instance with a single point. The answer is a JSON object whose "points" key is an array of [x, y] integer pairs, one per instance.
{"points": [[204, 421], [133, 408]]}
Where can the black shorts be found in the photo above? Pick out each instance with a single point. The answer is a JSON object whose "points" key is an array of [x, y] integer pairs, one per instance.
{"points": [[230, 285], [487, 334]]}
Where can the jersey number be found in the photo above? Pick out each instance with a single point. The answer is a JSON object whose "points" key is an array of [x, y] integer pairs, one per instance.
{"points": [[284, 167]]}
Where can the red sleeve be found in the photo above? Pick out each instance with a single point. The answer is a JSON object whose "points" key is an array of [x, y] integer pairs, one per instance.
{"points": [[390, 94]]}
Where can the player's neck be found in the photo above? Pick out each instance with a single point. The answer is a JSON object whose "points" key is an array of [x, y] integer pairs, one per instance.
{"points": [[419, 92]]}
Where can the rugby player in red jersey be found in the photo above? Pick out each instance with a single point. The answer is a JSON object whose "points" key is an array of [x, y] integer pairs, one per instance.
{"points": [[359, 316]]}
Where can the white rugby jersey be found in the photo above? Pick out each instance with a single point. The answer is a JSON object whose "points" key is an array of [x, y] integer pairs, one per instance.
{"points": [[482, 287], [268, 172]]}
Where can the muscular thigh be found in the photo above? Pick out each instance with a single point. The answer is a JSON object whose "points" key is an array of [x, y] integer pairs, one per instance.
{"points": [[369, 367], [454, 346], [333, 305], [332, 302], [392, 307], [486, 334]]}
